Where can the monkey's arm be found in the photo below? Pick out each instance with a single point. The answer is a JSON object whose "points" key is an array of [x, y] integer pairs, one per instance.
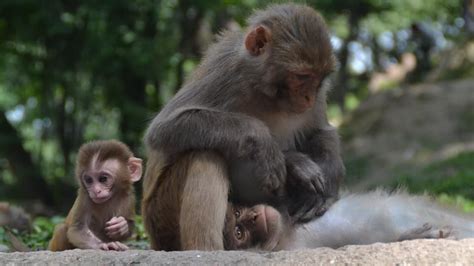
{"points": [[315, 171], [233, 135], [323, 147], [120, 227], [82, 237], [78, 232]]}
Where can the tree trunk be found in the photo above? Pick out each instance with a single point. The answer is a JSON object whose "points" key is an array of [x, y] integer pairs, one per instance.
{"points": [[338, 94], [188, 45], [31, 183]]}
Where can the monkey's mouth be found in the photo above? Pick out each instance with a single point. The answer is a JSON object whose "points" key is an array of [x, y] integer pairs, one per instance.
{"points": [[272, 227], [100, 200]]}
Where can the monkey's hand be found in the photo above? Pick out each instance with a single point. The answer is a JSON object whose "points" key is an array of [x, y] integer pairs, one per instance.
{"points": [[305, 186], [304, 172], [117, 228], [268, 163], [117, 246]]}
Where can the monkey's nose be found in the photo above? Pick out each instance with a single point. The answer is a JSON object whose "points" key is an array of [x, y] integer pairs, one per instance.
{"points": [[252, 217]]}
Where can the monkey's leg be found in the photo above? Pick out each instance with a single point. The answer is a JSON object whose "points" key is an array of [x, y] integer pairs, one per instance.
{"points": [[59, 241], [204, 203]]}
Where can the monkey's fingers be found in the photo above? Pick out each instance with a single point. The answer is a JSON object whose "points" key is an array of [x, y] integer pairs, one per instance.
{"points": [[116, 223], [118, 231], [116, 227], [104, 246], [117, 234], [113, 220], [274, 183], [113, 246], [122, 246], [318, 184], [312, 208], [123, 231]]}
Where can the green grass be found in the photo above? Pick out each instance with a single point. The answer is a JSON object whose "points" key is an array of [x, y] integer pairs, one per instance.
{"points": [[42, 231], [452, 180]]}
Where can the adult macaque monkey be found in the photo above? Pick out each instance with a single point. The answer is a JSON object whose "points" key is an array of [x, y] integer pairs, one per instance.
{"points": [[253, 113], [104, 211], [353, 219]]}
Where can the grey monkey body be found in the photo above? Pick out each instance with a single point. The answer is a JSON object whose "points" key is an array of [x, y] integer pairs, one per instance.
{"points": [[238, 105], [380, 217]]}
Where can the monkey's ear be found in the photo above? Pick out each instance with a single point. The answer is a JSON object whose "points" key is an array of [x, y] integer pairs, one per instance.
{"points": [[257, 40], [135, 168]]}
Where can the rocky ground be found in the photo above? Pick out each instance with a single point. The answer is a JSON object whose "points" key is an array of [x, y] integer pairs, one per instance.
{"points": [[426, 252], [407, 128]]}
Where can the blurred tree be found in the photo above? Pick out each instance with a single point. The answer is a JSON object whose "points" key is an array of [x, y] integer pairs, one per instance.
{"points": [[353, 12], [75, 71], [72, 71]]}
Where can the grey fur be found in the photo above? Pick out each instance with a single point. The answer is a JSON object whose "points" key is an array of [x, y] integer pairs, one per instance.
{"points": [[234, 104], [379, 216]]}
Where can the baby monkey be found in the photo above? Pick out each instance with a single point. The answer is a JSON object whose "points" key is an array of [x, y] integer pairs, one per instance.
{"points": [[355, 219], [104, 210]]}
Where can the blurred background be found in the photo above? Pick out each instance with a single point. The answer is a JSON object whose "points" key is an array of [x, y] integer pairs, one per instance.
{"points": [[73, 71]]}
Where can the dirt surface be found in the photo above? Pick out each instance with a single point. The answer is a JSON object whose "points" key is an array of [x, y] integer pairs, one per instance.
{"points": [[406, 128], [427, 252]]}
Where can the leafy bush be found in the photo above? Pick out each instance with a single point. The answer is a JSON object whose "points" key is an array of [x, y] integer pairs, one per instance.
{"points": [[452, 180], [43, 228]]}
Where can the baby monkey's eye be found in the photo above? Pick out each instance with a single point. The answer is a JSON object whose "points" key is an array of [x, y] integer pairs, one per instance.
{"points": [[237, 213], [102, 179], [88, 180], [238, 232]]}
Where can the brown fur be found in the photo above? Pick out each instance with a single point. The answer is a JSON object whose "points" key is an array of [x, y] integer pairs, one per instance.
{"points": [[167, 207], [256, 98], [87, 215]]}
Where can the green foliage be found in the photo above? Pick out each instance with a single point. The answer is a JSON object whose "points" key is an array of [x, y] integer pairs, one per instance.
{"points": [[139, 240], [41, 233], [139, 228], [77, 71], [452, 177], [38, 238], [356, 168], [465, 204], [43, 228], [3, 236]]}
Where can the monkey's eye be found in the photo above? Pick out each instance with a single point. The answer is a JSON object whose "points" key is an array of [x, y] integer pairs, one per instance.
{"points": [[102, 179], [88, 180], [238, 232], [237, 213]]}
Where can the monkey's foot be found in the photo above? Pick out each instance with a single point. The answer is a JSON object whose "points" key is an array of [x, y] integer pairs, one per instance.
{"points": [[428, 231]]}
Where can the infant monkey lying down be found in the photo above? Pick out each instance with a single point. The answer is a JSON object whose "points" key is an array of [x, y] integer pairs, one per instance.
{"points": [[354, 219]]}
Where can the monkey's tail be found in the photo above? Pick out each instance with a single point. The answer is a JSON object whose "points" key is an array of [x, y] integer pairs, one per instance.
{"points": [[15, 243]]}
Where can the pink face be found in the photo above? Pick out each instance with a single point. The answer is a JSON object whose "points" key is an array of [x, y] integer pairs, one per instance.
{"points": [[99, 180], [259, 226], [303, 88]]}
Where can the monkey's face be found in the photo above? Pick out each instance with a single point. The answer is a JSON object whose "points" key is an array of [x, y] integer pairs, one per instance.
{"points": [[258, 227], [99, 180], [294, 44], [302, 88]]}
